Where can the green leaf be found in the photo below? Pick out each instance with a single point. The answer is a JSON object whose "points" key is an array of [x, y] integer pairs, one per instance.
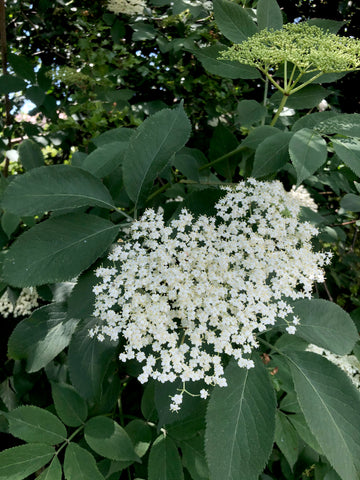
{"points": [[9, 223], [70, 407], [140, 435], [89, 360], [312, 120], [307, 152], [222, 142], [302, 428], [30, 155], [249, 112], [36, 95], [79, 464], [347, 124], [258, 135], [120, 134], [325, 324], [19, 462], [150, 149], [286, 438], [82, 298], [331, 406], [193, 457], [307, 97], [235, 448], [351, 202], [272, 154], [105, 159], [40, 338], [348, 150], [22, 67], [164, 460], [269, 15], [42, 254], [209, 58], [108, 439], [10, 84], [52, 188], [233, 21], [34, 424], [329, 25], [53, 471]]}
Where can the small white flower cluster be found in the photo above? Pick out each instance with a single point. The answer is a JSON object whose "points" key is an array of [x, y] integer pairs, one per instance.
{"points": [[304, 197], [26, 302], [183, 295], [348, 363], [127, 7], [208, 5]]}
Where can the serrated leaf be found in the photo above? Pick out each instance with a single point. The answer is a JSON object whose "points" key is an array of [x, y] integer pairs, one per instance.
{"points": [[222, 142], [325, 324], [79, 464], [105, 159], [351, 202], [89, 360], [69, 405], [164, 460], [272, 154], [312, 120], [307, 152], [36, 95], [258, 135], [233, 21], [348, 150], [140, 435], [82, 298], [52, 188], [53, 471], [120, 134], [193, 457], [34, 424], [9, 223], [41, 337], [150, 150], [347, 124], [30, 155], [235, 448], [19, 462], [249, 112], [307, 97], [22, 67], [286, 438], [300, 425], [58, 249], [10, 84], [269, 15], [109, 439], [331, 406], [210, 60]]}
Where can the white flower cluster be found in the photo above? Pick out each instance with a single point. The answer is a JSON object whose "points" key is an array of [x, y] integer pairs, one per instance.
{"points": [[26, 302], [304, 197], [208, 5], [348, 363], [127, 7], [183, 295]]}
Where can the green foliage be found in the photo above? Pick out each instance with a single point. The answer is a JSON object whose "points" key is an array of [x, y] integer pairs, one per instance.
{"points": [[235, 416]]}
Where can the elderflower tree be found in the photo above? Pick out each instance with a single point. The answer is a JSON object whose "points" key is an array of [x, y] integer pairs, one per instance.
{"points": [[187, 327]]}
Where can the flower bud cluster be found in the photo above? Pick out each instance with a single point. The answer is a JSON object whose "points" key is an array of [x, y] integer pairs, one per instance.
{"points": [[25, 304], [126, 7], [181, 295], [308, 47]]}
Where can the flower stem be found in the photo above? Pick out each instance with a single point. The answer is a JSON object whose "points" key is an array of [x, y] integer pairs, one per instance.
{"points": [[280, 109]]}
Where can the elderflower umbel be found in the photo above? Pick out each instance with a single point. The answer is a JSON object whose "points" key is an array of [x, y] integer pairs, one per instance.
{"points": [[26, 302], [304, 197], [308, 47], [127, 7], [182, 295]]}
